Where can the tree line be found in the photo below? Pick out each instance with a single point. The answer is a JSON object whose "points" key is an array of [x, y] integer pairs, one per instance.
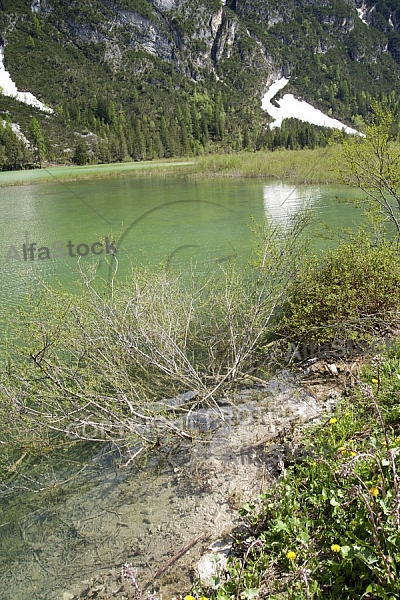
{"points": [[207, 122]]}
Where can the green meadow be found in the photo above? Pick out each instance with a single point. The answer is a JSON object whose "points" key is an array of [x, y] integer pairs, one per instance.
{"points": [[72, 173], [297, 166]]}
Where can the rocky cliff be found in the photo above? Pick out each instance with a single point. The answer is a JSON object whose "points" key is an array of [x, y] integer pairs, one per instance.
{"points": [[163, 52]]}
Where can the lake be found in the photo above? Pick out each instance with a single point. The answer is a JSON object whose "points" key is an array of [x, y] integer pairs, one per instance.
{"points": [[48, 227], [51, 543]]}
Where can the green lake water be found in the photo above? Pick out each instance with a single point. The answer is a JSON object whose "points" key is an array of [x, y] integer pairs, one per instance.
{"points": [[50, 543], [153, 219]]}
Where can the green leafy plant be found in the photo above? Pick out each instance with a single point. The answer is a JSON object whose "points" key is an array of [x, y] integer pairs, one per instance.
{"points": [[372, 163], [98, 366], [330, 527], [346, 293]]}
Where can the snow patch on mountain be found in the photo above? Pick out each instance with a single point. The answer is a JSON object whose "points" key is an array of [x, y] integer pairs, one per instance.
{"points": [[17, 130], [362, 12], [289, 107], [8, 88]]}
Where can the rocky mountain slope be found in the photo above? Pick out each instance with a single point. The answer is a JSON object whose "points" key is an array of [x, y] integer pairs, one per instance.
{"points": [[154, 78]]}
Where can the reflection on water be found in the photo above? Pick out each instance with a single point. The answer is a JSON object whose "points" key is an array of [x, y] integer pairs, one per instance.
{"points": [[282, 201]]}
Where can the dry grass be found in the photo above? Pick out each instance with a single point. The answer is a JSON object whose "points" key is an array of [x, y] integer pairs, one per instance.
{"points": [[296, 166]]}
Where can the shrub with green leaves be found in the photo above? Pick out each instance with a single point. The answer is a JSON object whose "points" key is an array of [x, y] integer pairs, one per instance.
{"points": [[97, 366], [347, 293]]}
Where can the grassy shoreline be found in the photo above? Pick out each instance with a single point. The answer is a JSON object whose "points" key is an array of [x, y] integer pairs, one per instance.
{"points": [[102, 171], [295, 166]]}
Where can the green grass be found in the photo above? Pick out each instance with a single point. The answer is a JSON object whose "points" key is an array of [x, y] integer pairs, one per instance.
{"points": [[298, 166], [330, 527], [90, 172]]}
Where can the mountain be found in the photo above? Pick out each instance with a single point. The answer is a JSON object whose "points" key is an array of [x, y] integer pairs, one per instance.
{"points": [[159, 78]]}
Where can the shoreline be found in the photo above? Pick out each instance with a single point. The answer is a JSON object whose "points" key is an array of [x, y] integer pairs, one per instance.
{"points": [[86, 172], [225, 471], [295, 166]]}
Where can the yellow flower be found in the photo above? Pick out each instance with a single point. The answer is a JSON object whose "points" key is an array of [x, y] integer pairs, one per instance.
{"points": [[353, 453], [335, 548], [332, 421], [291, 555], [374, 491], [374, 380], [188, 598], [341, 449]]}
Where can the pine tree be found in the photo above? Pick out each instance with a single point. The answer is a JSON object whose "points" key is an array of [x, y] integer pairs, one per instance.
{"points": [[139, 143], [81, 156], [164, 134], [15, 154], [37, 141]]}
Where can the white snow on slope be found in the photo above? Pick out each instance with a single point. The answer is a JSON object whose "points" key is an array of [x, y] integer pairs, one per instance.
{"points": [[8, 88], [291, 108], [17, 130], [362, 12]]}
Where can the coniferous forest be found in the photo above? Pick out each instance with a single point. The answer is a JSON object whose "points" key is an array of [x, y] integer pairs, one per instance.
{"points": [[140, 80]]}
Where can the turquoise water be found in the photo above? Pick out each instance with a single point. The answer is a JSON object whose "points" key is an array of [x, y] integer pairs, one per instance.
{"points": [[50, 542], [150, 219]]}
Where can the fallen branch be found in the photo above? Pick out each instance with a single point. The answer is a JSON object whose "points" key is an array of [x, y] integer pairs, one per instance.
{"points": [[178, 556]]}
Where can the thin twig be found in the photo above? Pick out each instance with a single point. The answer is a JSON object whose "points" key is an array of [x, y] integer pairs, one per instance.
{"points": [[178, 555]]}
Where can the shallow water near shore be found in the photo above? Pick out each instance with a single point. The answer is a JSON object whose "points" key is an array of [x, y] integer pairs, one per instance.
{"points": [[108, 515]]}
